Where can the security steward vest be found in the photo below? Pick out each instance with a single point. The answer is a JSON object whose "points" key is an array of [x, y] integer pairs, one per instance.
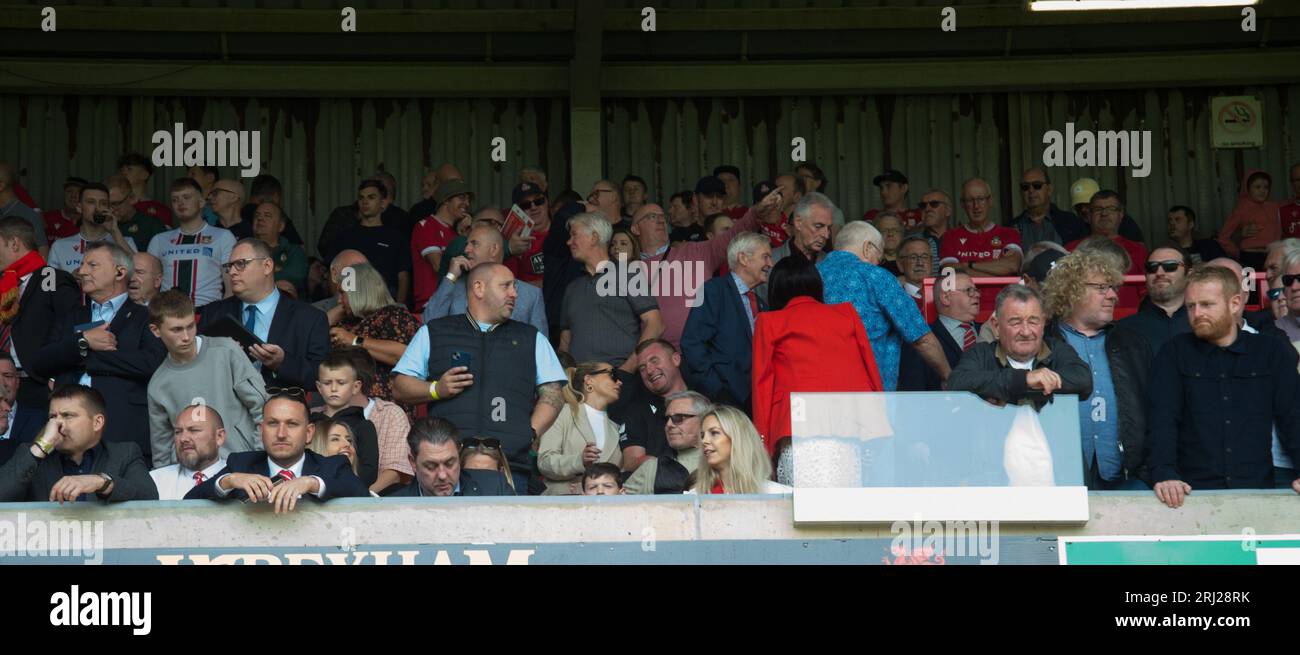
{"points": [[500, 402]]}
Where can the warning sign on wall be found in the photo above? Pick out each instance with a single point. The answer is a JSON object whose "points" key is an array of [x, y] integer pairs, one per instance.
{"points": [[1238, 122]]}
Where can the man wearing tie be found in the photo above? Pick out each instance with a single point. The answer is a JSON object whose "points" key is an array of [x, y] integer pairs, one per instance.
{"points": [[718, 340], [958, 302], [107, 345], [199, 434], [286, 471], [295, 335]]}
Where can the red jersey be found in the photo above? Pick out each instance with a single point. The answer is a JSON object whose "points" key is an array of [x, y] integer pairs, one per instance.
{"points": [[911, 218], [1129, 296], [429, 236], [58, 226], [776, 233], [527, 267], [737, 213], [156, 209], [1289, 214], [961, 245]]}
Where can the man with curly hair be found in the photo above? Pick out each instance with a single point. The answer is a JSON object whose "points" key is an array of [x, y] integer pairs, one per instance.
{"points": [[1081, 294]]}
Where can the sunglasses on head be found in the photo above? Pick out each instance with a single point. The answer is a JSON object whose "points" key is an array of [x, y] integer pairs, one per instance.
{"points": [[295, 392], [1170, 265], [1024, 186], [479, 443]]}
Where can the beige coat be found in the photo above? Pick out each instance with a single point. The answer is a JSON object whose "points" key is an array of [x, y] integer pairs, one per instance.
{"points": [[559, 456]]}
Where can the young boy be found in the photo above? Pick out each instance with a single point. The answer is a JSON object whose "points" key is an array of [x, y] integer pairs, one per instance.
{"points": [[602, 479], [338, 384], [212, 371], [390, 420]]}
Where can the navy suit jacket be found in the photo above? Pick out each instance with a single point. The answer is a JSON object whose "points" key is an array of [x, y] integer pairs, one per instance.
{"points": [[38, 316], [297, 327], [28, 422], [717, 346], [472, 483], [121, 375], [335, 471], [915, 375]]}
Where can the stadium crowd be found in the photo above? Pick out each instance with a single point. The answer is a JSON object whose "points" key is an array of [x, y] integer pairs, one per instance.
{"points": [[603, 344]]}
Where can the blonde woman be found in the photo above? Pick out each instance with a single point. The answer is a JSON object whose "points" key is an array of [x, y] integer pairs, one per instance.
{"points": [[334, 438], [735, 461], [583, 435]]}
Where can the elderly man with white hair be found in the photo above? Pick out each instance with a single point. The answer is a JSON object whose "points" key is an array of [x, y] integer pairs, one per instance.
{"points": [[718, 341], [851, 274]]}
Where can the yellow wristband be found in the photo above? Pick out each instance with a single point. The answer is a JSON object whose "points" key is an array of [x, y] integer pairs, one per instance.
{"points": [[433, 390]]}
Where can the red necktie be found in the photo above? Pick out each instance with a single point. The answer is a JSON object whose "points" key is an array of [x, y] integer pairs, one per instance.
{"points": [[753, 303], [286, 474], [199, 478], [969, 339]]}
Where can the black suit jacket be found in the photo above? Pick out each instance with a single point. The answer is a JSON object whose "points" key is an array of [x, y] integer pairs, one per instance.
{"points": [[28, 479], [915, 375], [39, 311], [472, 483], [297, 327], [27, 424], [336, 472], [121, 375]]}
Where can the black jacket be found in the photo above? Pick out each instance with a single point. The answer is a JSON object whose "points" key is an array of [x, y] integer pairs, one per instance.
{"points": [[297, 327], [121, 375], [915, 375], [335, 471], [559, 266], [1130, 359], [38, 316], [1157, 326], [984, 371], [27, 425], [473, 482], [28, 479]]}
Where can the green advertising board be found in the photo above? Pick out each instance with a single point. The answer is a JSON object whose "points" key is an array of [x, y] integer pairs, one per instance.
{"points": [[1246, 548]]}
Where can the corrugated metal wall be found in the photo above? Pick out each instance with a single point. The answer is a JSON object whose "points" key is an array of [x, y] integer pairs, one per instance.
{"points": [[941, 140], [318, 148]]}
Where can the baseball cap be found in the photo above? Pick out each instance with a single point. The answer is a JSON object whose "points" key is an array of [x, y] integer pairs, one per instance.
{"points": [[523, 190], [1082, 190], [451, 189], [890, 175], [1043, 264], [762, 189], [710, 186]]}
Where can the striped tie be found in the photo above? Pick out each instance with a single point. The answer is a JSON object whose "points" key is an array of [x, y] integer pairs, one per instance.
{"points": [[199, 478], [969, 339]]}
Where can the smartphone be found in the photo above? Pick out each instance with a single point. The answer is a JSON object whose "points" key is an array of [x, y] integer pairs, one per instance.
{"points": [[87, 326], [461, 358]]}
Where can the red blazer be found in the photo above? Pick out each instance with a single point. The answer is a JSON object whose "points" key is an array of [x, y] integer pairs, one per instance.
{"points": [[808, 346]]}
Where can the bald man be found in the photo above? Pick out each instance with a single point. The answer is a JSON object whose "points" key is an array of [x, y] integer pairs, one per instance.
{"points": [[146, 278], [333, 310], [981, 247], [226, 198], [484, 245]]}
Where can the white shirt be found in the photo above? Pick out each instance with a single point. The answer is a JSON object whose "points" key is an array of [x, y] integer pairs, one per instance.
{"points": [[174, 481], [597, 418], [67, 253], [9, 428], [1023, 366], [192, 262], [296, 470]]}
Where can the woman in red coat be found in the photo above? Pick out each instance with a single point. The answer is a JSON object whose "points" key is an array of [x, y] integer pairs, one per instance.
{"points": [[804, 345]]}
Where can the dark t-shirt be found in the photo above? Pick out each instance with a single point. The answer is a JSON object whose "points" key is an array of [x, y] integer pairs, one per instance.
{"points": [[385, 248], [688, 233], [644, 427]]}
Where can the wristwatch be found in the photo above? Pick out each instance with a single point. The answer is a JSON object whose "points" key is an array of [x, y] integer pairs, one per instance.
{"points": [[83, 345], [358, 340], [108, 482]]}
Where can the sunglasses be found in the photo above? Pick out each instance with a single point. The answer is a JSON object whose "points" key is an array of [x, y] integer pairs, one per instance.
{"points": [[1288, 280], [678, 418], [1025, 186], [609, 371], [535, 203], [479, 443], [295, 392], [1170, 265], [932, 204]]}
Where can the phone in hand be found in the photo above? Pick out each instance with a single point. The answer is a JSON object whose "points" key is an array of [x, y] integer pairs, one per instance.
{"points": [[461, 358], [84, 327]]}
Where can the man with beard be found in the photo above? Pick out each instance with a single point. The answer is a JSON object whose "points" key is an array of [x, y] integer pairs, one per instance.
{"points": [[1215, 396], [1162, 315], [199, 434]]}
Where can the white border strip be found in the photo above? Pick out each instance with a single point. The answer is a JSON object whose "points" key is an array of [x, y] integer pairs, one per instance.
{"points": [[890, 504]]}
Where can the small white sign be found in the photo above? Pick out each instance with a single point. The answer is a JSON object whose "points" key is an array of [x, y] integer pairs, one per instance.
{"points": [[1238, 122]]}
